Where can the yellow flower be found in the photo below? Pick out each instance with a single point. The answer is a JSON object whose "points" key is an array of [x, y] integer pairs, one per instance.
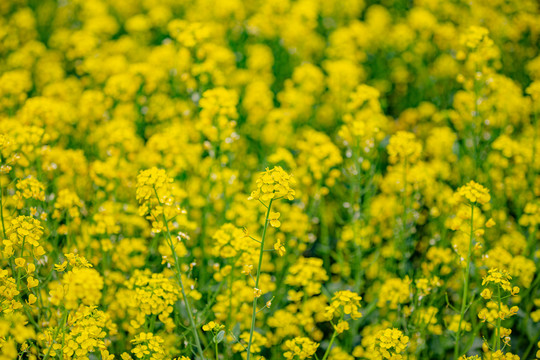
{"points": [[154, 192], [31, 299], [274, 184], [280, 249], [60, 267], [257, 292], [295, 296], [307, 273], [474, 192], [30, 268], [209, 326], [300, 348], [32, 282], [246, 270], [273, 218], [486, 294], [498, 277], [24, 234], [345, 302], [105, 355], [77, 261], [20, 262], [341, 326], [389, 343], [403, 146]]}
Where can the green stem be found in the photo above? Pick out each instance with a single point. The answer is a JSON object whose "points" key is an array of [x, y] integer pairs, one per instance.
{"points": [[531, 175], [2, 211], [261, 252], [531, 243], [465, 288], [64, 319], [179, 278], [186, 300], [405, 240], [330, 345], [325, 239], [229, 314], [217, 353], [498, 332], [200, 239], [152, 323]]}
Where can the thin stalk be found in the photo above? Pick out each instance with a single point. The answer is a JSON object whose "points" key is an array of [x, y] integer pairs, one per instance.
{"points": [[330, 345], [179, 278], [229, 314], [261, 252], [465, 288], [186, 300], [64, 319], [2, 211], [325, 239], [498, 332], [405, 240], [531, 243], [532, 172]]}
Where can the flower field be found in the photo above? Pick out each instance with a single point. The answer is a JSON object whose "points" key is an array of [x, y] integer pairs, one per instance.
{"points": [[269, 179]]}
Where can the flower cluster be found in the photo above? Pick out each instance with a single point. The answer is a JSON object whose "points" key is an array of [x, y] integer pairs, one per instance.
{"points": [[500, 278], [155, 194], [274, 184], [497, 289], [343, 303], [389, 344], [403, 146], [474, 193], [300, 348], [399, 154], [148, 346], [23, 238]]}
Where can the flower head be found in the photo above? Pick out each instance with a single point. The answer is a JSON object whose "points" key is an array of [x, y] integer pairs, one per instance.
{"points": [[300, 348], [404, 146], [474, 192], [274, 184], [346, 302]]}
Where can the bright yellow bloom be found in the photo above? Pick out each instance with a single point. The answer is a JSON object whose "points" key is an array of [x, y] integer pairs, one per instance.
{"points": [[280, 249], [341, 326], [474, 192], [273, 218], [486, 294], [209, 326], [389, 344], [257, 292], [300, 348], [499, 278], [32, 282], [20, 262], [345, 302], [403, 146], [274, 184]]}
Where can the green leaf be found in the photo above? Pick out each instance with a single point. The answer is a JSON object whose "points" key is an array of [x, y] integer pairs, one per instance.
{"points": [[236, 330], [219, 337]]}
